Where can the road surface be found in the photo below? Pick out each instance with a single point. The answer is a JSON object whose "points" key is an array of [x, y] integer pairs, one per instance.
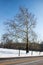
{"points": [[23, 61]]}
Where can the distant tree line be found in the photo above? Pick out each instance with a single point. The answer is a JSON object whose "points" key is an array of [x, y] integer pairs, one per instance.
{"points": [[22, 46]]}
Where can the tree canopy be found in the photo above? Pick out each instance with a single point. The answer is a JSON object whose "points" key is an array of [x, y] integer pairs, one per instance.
{"points": [[22, 26]]}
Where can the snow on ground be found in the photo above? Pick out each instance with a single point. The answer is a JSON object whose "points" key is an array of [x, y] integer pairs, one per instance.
{"points": [[14, 53]]}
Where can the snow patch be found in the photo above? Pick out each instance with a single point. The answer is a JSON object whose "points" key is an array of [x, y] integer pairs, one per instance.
{"points": [[14, 53]]}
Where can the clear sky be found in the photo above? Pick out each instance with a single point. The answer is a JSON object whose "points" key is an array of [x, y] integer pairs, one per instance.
{"points": [[9, 8]]}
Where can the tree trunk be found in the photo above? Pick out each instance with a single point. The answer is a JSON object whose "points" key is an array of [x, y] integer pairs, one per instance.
{"points": [[31, 52], [19, 52]]}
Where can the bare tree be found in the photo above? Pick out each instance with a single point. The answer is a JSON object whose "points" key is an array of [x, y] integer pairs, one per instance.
{"points": [[21, 26]]}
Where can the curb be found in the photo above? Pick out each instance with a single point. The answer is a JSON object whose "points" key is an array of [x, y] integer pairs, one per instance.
{"points": [[9, 58]]}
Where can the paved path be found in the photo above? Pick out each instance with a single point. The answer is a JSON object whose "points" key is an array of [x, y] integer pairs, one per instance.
{"points": [[23, 61], [38, 62]]}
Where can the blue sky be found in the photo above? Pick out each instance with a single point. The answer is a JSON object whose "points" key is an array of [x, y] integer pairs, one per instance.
{"points": [[9, 8]]}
